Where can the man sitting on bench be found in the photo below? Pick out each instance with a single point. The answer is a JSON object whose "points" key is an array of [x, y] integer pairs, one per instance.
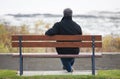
{"points": [[66, 27]]}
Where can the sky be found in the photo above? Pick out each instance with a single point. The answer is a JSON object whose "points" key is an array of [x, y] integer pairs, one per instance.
{"points": [[57, 6]]}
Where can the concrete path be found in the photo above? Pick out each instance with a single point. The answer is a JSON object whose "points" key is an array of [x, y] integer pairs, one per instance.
{"points": [[60, 72]]}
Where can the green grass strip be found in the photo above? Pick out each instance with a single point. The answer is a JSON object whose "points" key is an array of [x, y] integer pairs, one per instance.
{"points": [[102, 74]]}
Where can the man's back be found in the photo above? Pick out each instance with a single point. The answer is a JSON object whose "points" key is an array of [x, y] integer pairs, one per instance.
{"points": [[65, 27], [68, 27]]}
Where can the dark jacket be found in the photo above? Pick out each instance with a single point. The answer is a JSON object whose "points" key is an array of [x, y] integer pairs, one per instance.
{"points": [[65, 27]]}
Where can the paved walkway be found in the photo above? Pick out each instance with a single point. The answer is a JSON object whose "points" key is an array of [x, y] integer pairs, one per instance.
{"points": [[60, 72]]}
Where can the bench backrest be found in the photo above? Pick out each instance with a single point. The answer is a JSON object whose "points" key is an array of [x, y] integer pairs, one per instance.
{"points": [[50, 41]]}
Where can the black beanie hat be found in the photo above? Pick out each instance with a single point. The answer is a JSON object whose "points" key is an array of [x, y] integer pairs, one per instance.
{"points": [[67, 12]]}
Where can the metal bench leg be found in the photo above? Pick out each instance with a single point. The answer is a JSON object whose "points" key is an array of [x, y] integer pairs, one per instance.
{"points": [[21, 57], [93, 55], [21, 65]]}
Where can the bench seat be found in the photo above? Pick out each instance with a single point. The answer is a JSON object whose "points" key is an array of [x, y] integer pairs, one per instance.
{"points": [[54, 55]]}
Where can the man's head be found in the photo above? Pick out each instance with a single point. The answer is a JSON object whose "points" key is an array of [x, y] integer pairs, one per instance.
{"points": [[67, 12]]}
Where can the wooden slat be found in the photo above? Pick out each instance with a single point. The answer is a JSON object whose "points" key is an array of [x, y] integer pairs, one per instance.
{"points": [[56, 37], [56, 44], [53, 55]]}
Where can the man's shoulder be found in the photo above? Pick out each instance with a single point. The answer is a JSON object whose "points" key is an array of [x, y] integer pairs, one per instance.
{"points": [[76, 23], [57, 23]]}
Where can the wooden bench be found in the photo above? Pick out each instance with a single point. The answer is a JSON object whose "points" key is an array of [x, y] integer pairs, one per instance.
{"points": [[87, 41]]}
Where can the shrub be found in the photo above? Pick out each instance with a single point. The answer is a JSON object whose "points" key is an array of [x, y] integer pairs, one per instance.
{"points": [[111, 43]]}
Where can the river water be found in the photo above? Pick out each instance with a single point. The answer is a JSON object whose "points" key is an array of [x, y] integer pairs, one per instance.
{"points": [[100, 23]]}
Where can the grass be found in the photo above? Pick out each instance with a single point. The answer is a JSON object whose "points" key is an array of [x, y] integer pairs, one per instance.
{"points": [[102, 74]]}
